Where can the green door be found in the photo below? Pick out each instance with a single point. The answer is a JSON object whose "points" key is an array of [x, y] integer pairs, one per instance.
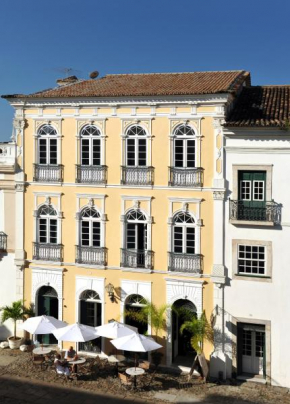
{"points": [[47, 305], [252, 195], [91, 315]]}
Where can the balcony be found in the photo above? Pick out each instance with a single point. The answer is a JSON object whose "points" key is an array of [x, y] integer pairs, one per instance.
{"points": [[3, 241], [185, 177], [136, 258], [48, 173], [267, 215], [91, 255], [189, 263], [137, 175], [48, 252], [91, 174]]}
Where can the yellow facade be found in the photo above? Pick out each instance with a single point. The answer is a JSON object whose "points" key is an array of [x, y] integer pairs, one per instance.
{"points": [[160, 199]]}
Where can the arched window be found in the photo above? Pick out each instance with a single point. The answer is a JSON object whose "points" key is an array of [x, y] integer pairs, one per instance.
{"points": [[90, 228], [183, 233], [90, 314], [47, 225], [136, 230], [136, 301], [90, 295], [136, 147], [47, 145], [90, 146], [184, 147]]}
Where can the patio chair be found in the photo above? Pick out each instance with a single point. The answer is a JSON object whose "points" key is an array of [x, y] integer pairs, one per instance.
{"points": [[37, 360], [90, 367], [124, 380], [144, 365]]}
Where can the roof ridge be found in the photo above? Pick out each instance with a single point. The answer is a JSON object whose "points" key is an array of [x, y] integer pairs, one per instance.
{"points": [[160, 73], [62, 86]]}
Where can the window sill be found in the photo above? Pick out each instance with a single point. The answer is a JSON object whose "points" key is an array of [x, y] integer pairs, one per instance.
{"points": [[255, 278], [251, 222]]}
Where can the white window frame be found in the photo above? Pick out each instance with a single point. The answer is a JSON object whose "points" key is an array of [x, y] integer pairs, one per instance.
{"points": [[184, 227], [136, 139], [48, 218], [267, 276], [184, 139], [90, 220], [251, 260], [91, 138], [47, 138], [255, 199], [241, 189], [135, 222]]}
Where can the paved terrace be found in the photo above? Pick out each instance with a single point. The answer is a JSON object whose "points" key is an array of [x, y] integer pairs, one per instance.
{"points": [[22, 383]]}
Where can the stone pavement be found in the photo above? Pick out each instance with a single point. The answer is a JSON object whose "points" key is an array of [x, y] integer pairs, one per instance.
{"points": [[15, 390], [6, 360]]}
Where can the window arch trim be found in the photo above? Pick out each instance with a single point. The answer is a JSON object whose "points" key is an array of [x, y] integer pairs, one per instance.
{"points": [[191, 128]]}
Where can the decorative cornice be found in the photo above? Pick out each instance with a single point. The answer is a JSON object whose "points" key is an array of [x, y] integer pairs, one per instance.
{"points": [[194, 99], [219, 195]]}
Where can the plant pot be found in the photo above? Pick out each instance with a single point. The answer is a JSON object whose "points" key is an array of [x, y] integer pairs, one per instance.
{"points": [[14, 343]]}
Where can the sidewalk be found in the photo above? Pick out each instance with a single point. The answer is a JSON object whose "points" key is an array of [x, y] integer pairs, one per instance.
{"points": [[16, 390]]}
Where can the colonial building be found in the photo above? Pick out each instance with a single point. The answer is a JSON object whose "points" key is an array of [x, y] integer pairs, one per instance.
{"points": [[11, 231], [123, 177], [257, 219]]}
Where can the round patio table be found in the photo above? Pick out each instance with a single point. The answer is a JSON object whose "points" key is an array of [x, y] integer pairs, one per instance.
{"points": [[80, 361], [41, 351], [116, 358], [135, 372]]}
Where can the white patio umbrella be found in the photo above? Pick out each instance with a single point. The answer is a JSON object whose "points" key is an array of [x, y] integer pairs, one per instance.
{"points": [[42, 325], [115, 330], [76, 333], [136, 343]]}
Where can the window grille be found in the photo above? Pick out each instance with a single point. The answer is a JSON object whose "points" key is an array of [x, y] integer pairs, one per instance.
{"points": [[251, 260]]}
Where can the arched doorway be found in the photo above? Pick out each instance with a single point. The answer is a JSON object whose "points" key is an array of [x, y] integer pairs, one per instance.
{"points": [[133, 307], [182, 351], [90, 314], [47, 304]]}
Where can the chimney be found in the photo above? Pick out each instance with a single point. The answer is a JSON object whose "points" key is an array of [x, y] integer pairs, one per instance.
{"points": [[67, 80]]}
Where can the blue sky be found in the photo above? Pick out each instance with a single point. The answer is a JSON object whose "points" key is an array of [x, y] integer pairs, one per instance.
{"points": [[39, 37]]}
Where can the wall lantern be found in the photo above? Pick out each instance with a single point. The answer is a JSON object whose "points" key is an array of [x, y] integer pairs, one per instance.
{"points": [[110, 289]]}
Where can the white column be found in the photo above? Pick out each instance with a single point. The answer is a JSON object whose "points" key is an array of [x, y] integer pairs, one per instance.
{"points": [[19, 218], [218, 358]]}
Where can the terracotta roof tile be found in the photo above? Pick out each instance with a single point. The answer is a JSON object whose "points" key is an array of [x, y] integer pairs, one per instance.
{"points": [[262, 106], [156, 84]]}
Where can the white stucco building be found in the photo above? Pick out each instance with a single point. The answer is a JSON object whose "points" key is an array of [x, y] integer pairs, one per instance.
{"points": [[253, 307], [11, 232]]}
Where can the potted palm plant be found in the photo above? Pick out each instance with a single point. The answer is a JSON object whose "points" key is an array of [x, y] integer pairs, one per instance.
{"points": [[156, 316], [15, 312], [201, 331]]}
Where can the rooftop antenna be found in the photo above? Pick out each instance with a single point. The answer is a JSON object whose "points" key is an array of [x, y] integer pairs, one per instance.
{"points": [[67, 71]]}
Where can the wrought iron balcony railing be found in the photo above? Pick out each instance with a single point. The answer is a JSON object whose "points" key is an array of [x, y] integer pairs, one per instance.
{"points": [[270, 212], [48, 173], [48, 252], [137, 175], [91, 174], [91, 255], [191, 263], [185, 177], [136, 258], [3, 241]]}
